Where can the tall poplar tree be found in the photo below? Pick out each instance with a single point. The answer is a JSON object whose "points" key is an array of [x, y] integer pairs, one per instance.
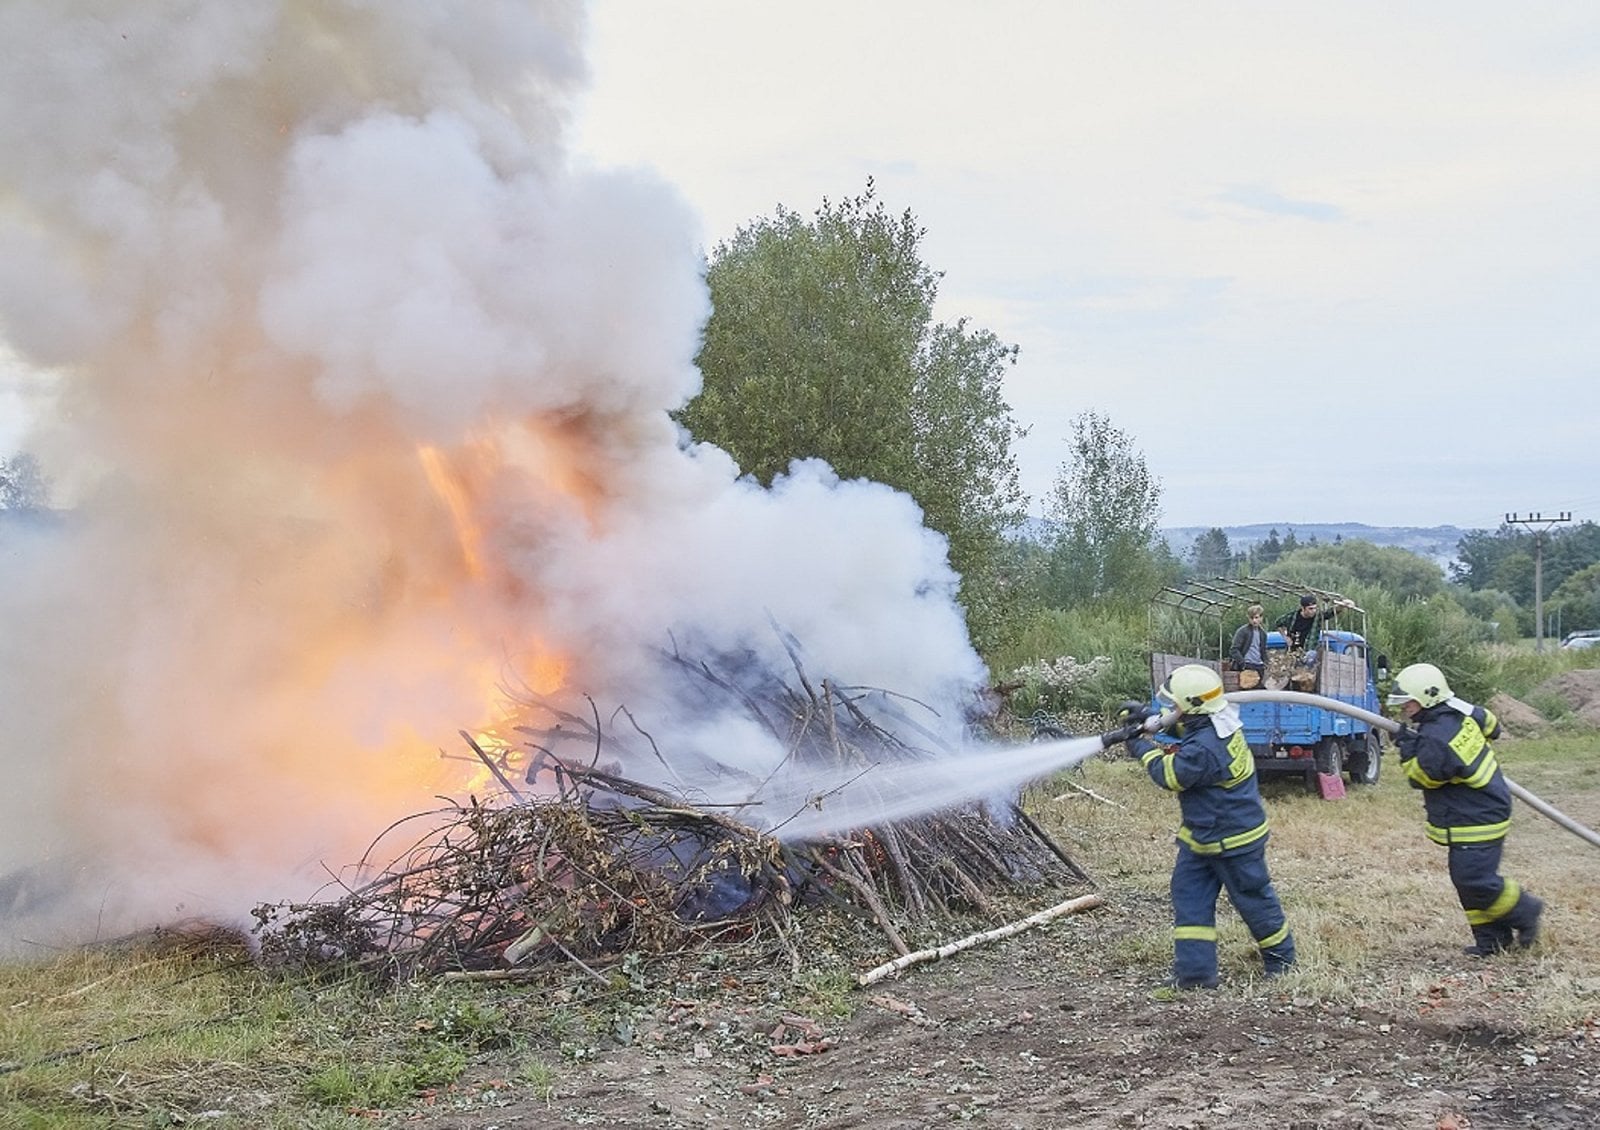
{"points": [[1105, 509], [822, 343]]}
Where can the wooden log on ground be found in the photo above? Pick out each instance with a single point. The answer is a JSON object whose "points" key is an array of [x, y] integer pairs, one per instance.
{"points": [[889, 968]]}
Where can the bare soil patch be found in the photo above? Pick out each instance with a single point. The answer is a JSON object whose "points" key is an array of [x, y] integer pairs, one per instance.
{"points": [[1580, 689], [1516, 715], [1045, 1030]]}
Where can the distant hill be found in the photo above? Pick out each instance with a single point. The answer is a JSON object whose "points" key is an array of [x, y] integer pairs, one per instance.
{"points": [[1438, 543]]}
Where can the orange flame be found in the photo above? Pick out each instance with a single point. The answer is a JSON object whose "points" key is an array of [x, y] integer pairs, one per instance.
{"points": [[452, 490], [463, 481]]}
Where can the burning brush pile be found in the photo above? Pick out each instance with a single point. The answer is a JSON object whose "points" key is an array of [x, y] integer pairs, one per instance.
{"points": [[362, 383], [575, 864]]}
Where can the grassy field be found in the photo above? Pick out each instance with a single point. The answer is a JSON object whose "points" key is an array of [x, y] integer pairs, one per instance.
{"points": [[176, 1029]]}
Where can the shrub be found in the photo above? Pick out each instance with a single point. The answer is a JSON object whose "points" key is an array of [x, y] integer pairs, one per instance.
{"points": [[1117, 636], [1435, 630], [1055, 684]]}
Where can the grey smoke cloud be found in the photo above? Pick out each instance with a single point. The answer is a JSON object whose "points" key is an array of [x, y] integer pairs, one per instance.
{"points": [[361, 392]]}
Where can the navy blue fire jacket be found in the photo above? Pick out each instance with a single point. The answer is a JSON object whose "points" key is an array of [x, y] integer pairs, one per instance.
{"points": [[1446, 754], [1215, 779]]}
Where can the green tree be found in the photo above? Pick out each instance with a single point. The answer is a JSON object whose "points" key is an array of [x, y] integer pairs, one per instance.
{"points": [[821, 343], [1105, 506], [1269, 551], [1569, 550], [1578, 598], [1503, 558], [1513, 573], [1342, 565], [1497, 610], [1211, 554], [1479, 553]]}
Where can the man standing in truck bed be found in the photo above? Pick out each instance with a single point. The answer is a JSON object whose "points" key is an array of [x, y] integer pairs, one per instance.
{"points": [[1248, 652], [1299, 628]]}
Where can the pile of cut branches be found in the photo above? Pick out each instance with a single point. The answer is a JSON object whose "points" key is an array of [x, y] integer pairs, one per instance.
{"points": [[564, 879], [582, 864]]}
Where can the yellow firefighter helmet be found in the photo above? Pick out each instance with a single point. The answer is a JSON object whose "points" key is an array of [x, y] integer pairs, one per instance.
{"points": [[1193, 689]]}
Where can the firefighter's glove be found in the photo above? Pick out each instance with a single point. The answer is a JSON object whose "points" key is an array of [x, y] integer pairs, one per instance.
{"points": [[1405, 740], [1120, 734], [1134, 713]]}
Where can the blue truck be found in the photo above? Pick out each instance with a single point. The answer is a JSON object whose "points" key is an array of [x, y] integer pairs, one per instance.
{"points": [[1194, 622]]}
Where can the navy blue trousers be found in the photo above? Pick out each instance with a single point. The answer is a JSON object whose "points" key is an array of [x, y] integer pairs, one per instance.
{"points": [[1494, 906], [1197, 880]]}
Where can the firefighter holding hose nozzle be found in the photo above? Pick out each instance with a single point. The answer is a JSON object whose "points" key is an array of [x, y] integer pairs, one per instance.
{"points": [[1445, 752], [1222, 842]]}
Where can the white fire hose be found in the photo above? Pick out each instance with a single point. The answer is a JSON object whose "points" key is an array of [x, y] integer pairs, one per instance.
{"points": [[1389, 725]]}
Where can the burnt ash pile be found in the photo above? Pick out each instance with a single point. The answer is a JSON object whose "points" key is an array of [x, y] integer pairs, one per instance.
{"points": [[581, 865]]}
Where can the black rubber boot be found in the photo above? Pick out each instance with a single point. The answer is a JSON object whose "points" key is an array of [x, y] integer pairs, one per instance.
{"points": [[1489, 940], [1186, 986], [1528, 912]]}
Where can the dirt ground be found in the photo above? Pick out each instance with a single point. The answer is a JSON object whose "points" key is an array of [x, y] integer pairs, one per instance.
{"points": [[1043, 1031]]}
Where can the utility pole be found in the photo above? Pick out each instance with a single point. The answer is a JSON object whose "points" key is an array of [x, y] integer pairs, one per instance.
{"points": [[1544, 525]]}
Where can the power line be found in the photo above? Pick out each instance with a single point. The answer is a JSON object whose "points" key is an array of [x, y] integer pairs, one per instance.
{"points": [[1544, 525]]}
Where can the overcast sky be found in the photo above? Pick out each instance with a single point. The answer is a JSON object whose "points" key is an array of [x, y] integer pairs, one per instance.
{"points": [[1323, 263]]}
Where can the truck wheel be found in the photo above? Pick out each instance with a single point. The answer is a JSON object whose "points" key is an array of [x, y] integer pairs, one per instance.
{"points": [[1330, 756], [1366, 755]]}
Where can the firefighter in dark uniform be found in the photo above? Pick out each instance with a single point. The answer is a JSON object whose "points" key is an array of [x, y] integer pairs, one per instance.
{"points": [[1446, 753], [1222, 843]]}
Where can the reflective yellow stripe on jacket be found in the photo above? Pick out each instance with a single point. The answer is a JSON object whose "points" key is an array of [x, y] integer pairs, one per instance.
{"points": [[1468, 833], [1241, 762], [1169, 771], [1227, 843]]}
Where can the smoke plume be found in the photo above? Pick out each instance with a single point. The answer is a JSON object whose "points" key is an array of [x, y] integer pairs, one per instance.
{"points": [[361, 390]]}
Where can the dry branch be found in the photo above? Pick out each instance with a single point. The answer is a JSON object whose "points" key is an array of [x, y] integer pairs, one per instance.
{"points": [[889, 968], [1090, 793]]}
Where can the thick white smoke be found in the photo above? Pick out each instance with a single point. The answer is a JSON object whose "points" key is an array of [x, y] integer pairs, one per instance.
{"points": [[317, 282]]}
